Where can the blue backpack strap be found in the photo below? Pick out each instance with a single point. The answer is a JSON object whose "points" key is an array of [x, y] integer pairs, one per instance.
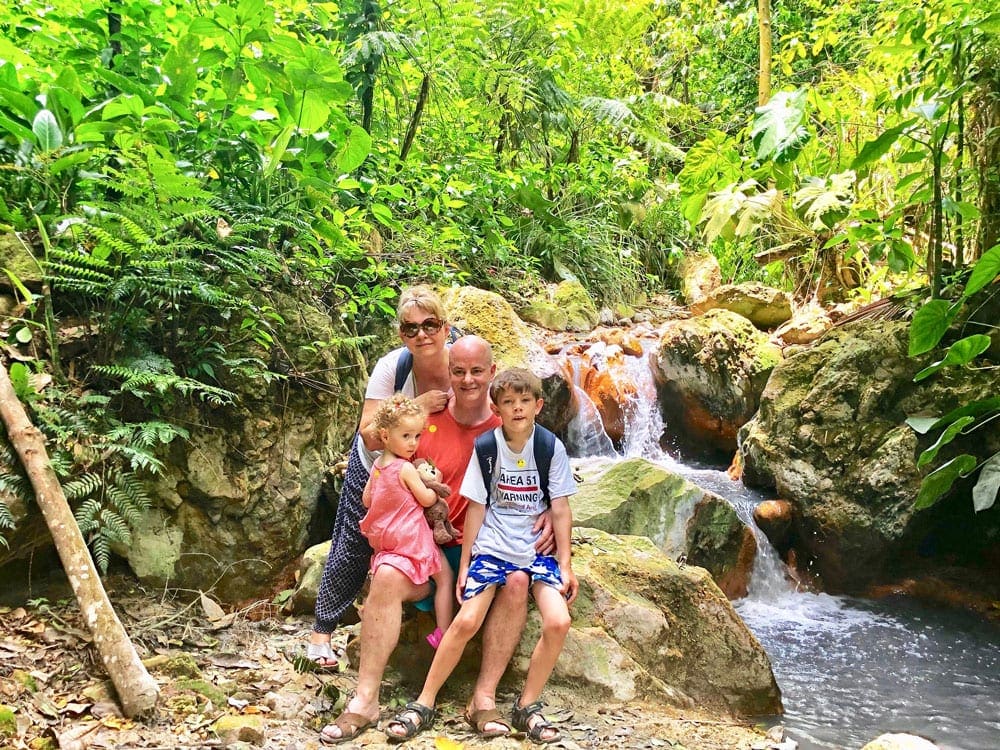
{"points": [[486, 452], [544, 449], [403, 367]]}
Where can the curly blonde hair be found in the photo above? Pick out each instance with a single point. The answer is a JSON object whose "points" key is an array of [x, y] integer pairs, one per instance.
{"points": [[395, 408]]}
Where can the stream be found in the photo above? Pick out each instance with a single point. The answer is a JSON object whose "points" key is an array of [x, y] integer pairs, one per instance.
{"points": [[849, 669]]}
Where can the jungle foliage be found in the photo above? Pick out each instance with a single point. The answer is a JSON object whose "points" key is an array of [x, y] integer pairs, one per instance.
{"points": [[169, 167]]}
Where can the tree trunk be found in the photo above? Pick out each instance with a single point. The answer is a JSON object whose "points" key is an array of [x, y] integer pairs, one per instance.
{"points": [[764, 72], [418, 111], [137, 691]]}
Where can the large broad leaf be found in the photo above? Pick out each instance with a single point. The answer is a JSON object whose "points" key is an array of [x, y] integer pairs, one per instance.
{"points": [[946, 437], [879, 147], [928, 326], [960, 353], [941, 479], [972, 409], [48, 135], [779, 131], [984, 494], [357, 146], [987, 268]]}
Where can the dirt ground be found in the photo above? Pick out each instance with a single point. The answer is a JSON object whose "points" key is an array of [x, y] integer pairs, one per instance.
{"points": [[234, 680]]}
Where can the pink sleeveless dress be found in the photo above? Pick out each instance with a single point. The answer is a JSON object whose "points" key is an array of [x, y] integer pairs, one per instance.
{"points": [[396, 528]]}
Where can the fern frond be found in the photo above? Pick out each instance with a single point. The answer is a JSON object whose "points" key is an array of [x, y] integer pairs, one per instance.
{"points": [[87, 514], [82, 486]]}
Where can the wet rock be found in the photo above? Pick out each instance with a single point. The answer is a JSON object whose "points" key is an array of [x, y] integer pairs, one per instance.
{"points": [[899, 742], [775, 519], [831, 437], [710, 371], [684, 521], [764, 306], [606, 379]]}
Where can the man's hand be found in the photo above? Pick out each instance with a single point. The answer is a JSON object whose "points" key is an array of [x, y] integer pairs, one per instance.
{"points": [[546, 544], [432, 401]]}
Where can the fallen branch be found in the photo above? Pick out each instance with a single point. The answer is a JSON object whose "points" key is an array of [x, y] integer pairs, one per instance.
{"points": [[137, 690]]}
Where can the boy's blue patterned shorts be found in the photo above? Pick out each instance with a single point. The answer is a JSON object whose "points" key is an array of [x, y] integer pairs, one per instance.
{"points": [[486, 571]]}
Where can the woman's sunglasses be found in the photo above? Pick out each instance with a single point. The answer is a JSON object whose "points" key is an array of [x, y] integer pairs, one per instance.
{"points": [[429, 326]]}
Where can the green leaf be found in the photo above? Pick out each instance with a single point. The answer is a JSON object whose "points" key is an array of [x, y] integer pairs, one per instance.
{"points": [[954, 429], [922, 425], [357, 146], [987, 268], [879, 147], [23, 335], [48, 135], [974, 408], [939, 481], [778, 130], [25, 293], [960, 353], [984, 494], [19, 381], [929, 324]]}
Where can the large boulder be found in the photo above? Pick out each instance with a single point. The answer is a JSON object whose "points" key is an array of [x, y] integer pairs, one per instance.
{"points": [[764, 306], [235, 500], [710, 371], [671, 620], [831, 438], [684, 521], [643, 627], [489, 315], [17, 260]]}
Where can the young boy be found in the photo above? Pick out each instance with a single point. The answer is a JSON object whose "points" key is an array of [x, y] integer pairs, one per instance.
{"points": [[499, 542]]}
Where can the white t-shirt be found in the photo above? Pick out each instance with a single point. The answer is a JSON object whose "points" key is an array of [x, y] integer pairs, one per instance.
{"points": [[380, 387], [516, 499]]}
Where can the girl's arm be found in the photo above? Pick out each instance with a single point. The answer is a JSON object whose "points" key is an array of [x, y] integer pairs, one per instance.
{"points": [[562, 525], [410, 478]]}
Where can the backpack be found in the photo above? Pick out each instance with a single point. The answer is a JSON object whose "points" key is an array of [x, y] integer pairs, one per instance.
{"points": [[405, 362], [543, 448]]}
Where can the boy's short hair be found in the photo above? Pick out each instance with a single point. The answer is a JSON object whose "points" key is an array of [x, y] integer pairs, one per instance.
{"points": [[518, 380]]}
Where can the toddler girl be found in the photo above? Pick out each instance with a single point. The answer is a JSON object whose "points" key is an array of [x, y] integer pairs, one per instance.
{"points": [[395, 497]]}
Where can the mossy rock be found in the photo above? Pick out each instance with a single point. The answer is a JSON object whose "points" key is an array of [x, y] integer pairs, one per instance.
{"points": [[204, 689], [566, 307]]}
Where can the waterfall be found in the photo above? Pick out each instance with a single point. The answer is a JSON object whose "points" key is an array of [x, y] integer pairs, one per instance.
{"points": [[848, 669]]}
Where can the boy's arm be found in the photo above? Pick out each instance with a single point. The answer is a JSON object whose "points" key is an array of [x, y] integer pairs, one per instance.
{"points": [[474, 515], [410, 477], [562, 525]]}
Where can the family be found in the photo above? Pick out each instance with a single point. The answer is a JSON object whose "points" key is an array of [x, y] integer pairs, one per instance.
{"points": [[509, 479]]}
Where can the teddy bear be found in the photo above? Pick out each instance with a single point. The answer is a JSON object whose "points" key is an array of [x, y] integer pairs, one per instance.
{"points": [[437, 514]]}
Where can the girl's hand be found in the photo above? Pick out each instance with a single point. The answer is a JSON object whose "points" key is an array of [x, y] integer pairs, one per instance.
{"points": [[571, 586], [432, 401], [460, 584]]}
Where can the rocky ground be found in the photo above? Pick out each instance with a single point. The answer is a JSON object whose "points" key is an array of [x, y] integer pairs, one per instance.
{"points": [[236, 680]]}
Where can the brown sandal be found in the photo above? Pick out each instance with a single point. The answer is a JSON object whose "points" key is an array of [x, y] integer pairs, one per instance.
{"points": [[350, 724], [480, 717]]}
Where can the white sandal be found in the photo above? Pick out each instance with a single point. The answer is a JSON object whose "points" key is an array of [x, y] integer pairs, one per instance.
{"points": [[323, 657]]}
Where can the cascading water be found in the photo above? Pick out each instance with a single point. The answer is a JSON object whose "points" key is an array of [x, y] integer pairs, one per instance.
{"points": [[849, 669]]}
